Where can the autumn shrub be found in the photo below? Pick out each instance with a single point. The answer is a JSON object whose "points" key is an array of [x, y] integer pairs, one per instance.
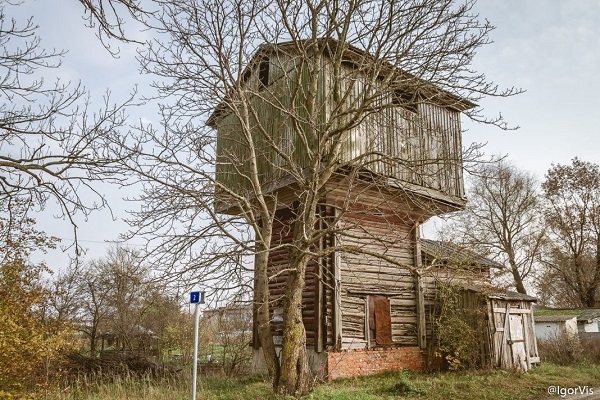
{"points": [[590, 342], [29, 345], [567, 349], [457, 330], [561, 348]]}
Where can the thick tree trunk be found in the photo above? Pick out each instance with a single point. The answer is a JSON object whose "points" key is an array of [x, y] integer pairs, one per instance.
{"points": [[517, 277], [294, 364], [261, 302], [93, 344]]}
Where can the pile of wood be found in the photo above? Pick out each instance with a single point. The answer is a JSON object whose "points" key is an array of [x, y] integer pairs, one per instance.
{"points": [[78, 364]]}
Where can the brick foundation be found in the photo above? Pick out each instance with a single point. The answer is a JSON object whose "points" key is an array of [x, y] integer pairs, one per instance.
{"points": [[350, 363]]}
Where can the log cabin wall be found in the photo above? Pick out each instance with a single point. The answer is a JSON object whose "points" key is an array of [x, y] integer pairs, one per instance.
{"points": [[318, 295], [366, 279]]}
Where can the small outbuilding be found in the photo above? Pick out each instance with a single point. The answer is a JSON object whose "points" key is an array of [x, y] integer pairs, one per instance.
{"points": [[507, 336], [551, 322]]}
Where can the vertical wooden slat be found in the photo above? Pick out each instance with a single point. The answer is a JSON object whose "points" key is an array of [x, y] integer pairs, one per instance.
{"points": [[525, 321], [367, 326], [337, 296], [421, 322], [319, 320]]}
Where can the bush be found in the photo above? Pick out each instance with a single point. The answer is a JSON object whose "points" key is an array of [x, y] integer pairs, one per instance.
{"points": [[562, 348], [457, 331], [590, 342]]}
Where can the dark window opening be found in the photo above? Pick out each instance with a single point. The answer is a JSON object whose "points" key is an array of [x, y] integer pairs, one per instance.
{"points": [[380, 320], [246, 76], [263, 72], [406, 100]]}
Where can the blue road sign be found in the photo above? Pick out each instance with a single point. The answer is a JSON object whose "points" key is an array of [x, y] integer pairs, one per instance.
{"points": [[194, 297], [197, 297]]}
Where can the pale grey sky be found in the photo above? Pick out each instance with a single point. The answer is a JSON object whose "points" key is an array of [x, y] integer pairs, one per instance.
{"points": [[550, 48]]}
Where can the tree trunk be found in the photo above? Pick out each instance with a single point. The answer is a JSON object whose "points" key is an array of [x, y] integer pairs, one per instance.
{"points": [[517, 277], [294, 363], [93, 343], [261, 302]]}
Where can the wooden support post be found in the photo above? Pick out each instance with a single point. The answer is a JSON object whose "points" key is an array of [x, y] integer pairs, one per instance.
{"points": [[421, 323], [337, 295], [525, 321], [321, 265]]}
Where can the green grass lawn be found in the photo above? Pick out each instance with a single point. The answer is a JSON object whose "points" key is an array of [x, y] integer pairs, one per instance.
{"points": [[398, 385]]}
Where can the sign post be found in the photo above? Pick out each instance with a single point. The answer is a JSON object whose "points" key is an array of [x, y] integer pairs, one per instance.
{"points": [[197, 298]]}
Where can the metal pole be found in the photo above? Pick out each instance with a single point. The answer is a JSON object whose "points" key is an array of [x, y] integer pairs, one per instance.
{"points": [[195, 368]]}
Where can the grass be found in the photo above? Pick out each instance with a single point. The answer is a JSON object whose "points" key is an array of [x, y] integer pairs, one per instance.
{"points": [[470, 385], [500, 385]]}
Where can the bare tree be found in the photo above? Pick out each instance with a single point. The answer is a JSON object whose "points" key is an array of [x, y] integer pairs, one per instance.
{"points": [[115, 294], [109, 18], [53, 146], [212, 204], [572, 194], [503, 219]]}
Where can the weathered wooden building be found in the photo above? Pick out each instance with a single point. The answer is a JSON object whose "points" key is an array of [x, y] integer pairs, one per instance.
{"points": [[398, 157]]}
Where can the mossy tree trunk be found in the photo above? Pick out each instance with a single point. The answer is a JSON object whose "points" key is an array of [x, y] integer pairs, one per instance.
{"points": [[294, 365]]}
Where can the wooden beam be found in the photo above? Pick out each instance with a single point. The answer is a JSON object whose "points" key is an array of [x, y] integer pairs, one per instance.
{"points": [[367, 327], [337, 297], [512, 310], [319, 303], [421, 324], [525, 321]]}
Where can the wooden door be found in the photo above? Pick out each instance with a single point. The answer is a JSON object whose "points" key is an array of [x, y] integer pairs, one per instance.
{"points": [[517, 341]]}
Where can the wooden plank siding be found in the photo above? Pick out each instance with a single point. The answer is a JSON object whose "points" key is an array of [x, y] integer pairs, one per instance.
{"points": [[318, 295], [362, 275], [512, 334], [420, 146]]}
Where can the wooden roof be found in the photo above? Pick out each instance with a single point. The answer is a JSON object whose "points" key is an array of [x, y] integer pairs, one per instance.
{"points": [[493, 292], [455, 253], [353, 56]]}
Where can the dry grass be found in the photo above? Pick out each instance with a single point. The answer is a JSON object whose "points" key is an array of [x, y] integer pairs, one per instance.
{"points": [[565, 349], [501, 385], [399, 385]]}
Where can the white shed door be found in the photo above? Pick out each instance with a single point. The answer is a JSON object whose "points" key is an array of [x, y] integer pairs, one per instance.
{"points": [[517, 340]]}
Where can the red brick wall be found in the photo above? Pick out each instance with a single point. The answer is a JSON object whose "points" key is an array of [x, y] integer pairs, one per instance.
{"points": [[346, 364]]}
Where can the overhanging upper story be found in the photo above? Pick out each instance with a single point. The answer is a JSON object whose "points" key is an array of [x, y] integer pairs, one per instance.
{"points": [[297, 106]]}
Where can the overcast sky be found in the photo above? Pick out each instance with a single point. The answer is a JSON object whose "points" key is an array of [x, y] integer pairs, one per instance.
{"points": [[550, 48]]}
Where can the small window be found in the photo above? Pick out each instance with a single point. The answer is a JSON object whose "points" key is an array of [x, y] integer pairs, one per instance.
{"points": [[406, 100], [263, 72], [380, 321]]}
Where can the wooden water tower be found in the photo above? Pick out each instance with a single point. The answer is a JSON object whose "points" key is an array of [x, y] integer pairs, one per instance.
{"points": [[398, 162]]}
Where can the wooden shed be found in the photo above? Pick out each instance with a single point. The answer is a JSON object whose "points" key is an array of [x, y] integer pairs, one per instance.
{"points": [[508, 340], [367, 300]]}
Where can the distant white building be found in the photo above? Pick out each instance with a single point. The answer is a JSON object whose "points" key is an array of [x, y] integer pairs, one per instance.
{"points": [[589, 321], [552, 326], [549, 323]]}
